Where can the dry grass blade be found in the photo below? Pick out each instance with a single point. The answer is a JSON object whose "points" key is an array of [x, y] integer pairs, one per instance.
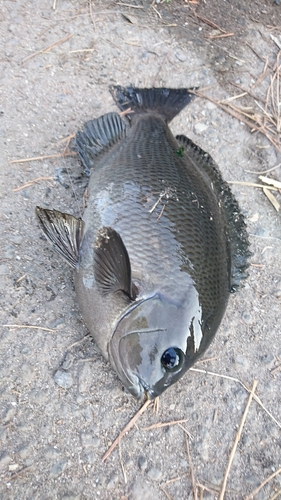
{"points": [[166, 493], [47, 49], [272, 199], [253, 184], [192, 476], [164, 424], [271, 182], [31, 326], [251, 496], [227, 377], [45, 157], [263, 171], [238, 436], [29, 183], [208, 22], [126, 429]]}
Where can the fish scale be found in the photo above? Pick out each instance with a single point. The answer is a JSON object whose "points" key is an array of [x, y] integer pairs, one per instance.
{"points": [[161, 245]]}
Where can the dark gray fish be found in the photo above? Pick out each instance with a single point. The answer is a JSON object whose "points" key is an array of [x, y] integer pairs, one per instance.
{"points": [[161, 246]]}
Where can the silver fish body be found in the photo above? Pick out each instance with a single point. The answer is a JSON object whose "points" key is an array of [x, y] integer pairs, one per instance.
{"points": [[161, 246]]}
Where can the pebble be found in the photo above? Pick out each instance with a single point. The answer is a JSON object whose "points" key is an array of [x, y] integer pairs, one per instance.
{"points": [[154, 474], [242, 361], [91, 458], [181, 56], [210, 105], [112, 481], [58, 468], [69, 496], [25, 451], [85, 378], [88, 414], [52, 453], [68, 361], [141, 490], [10, 413], [142, 463], [63, 379], [27, 373], [86, 440], [4, 459], [38, 396], [4, 270], [246, 316], [200, 127]]}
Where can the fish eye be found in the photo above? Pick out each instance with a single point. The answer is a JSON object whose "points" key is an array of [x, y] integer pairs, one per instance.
{"points": [[172, 359]]}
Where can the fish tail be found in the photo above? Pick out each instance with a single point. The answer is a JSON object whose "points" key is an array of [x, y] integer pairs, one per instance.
{"points": [[167, 102]]}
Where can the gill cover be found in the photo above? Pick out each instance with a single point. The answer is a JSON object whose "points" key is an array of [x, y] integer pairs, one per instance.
{"points": [[156, 341]]}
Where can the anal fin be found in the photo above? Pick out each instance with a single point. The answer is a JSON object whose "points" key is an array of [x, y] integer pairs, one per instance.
{"points": [[98, 136], [64, 231], [112, 266]]}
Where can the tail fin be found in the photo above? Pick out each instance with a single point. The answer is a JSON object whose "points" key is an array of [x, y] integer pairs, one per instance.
{"points": [[167, 102]]}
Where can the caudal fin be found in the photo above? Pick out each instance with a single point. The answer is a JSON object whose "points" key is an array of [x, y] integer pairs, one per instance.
{"points": [[167, 102]]}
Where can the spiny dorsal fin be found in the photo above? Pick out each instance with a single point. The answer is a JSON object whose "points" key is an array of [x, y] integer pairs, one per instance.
{"points": [[237, 233], [98, 136], [166, 102], [63, 231], [112, 266]]}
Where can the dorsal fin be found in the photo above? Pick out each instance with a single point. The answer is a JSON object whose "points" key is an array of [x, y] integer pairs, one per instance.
{"points": [[64, 232], [237, 233], [166, 102], [112, 266], [98, 136]]}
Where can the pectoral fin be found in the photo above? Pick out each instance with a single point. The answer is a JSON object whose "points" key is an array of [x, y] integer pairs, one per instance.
{"points": [[63, 231], [112, 266]]}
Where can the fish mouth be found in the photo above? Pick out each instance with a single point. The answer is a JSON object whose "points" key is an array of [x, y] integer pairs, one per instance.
{"points": [[139, 388]]}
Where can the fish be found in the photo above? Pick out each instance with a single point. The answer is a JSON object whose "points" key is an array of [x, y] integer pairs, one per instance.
{"points": [[161, 245]]}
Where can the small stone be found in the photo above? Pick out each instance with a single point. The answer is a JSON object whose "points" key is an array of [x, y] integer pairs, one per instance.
{"points": [[38, 396], [268, 359], [4, 459], [181, 56], [58, 468], [143, 490], [91, 458], [246, 316], [63, 379], [210, 105], [69, 496], [10, 413], [200, 127], [25, 451], [52, 453], [68, 361], [242, 360], [154, 474], [13, 467], [112, 481], [86, 440], [85, 378], [142, 463], [4, 269], [88, 414], [28, 373]]}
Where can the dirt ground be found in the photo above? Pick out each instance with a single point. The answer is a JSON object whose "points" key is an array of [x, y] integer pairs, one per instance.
{"points": [[61, 404]]}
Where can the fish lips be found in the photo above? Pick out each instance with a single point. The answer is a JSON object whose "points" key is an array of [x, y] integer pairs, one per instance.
{"points": [[144, 333]]}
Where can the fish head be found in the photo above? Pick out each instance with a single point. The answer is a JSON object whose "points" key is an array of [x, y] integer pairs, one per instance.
{"points": [[155, 342]]}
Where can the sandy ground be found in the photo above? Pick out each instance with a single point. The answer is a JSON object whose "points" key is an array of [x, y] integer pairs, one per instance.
{"points": [[55, 427]]}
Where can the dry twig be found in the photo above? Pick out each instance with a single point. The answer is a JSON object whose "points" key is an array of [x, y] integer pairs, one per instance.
{"points": [[238, 436], [126, 429], [31, 326], [251, 496]]}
